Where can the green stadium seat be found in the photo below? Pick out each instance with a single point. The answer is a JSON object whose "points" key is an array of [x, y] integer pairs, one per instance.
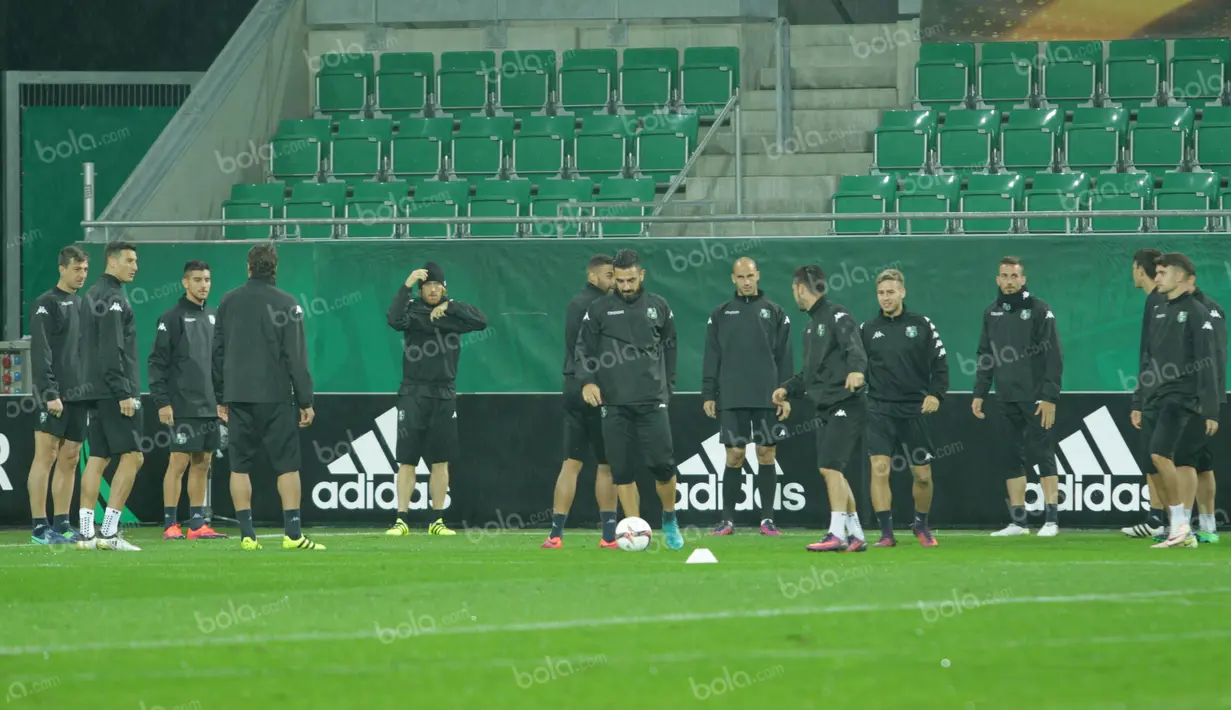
{"points": [[944, 74], [602, 145], [525, 81], [462, 83], [481, 144], [1224, 203], [499, 198], [928, 193], [438, 199], [709, 77], [1121, 191], [314, 200], [863, 194], [1007, 73], [627, 198], [1134, 69], [260, 201], [1160, 138], [991, 193], [903, 139], [1198, 68], [965, 140], [1186, 191], [648, 76], [664, 145], [380, 200], [360, 146], [404, 80], [1028, 142], [543, 144], [418, 149], [1057, 192], [552, 194], [1070, 71], [587, 79], [1212, 140], [298, 147], [1095, 137], [344, 82]]}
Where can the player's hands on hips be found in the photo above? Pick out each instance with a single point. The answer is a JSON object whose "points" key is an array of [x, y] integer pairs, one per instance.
{"points": [[416, 276], [1211, 427], [439, 311], [223, 413], [128, 407], [592, 395], [1047, 414], [779, 396], [711, 408], [306, 416], [1135, 417], [930, 404], [854, 381], [166, 416], [55, 407], [976, 407], [784, 410]]}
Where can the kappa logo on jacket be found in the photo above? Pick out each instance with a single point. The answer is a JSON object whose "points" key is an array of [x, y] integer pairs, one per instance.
{"points": [[41, 310], [116, 307]]}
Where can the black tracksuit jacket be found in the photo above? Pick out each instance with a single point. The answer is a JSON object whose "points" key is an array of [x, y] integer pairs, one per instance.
{"points": [[110, 342], [1218, 319], [832, 350], [260, 351], [180, 365], [573, 316], [430, 349], [1155, 298], [1019, 348], [747, 353], [1181, 357], [55, 346], [906, 359], [628, 349]]}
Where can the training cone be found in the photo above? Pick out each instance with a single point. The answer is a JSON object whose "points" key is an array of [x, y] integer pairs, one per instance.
{"points": [[701, 556]]}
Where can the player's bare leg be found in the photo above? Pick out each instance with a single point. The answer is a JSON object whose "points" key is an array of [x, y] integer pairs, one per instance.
{"points": [[438, 489], [732, 477], [1016, 489], [855, 539], [121, 486], [766, 485], [921, 488], [1181, 485], [1206, 489], [91, 481], [406, 488], [671, 526], [290, 490], [562, 502], [838, 490], [882, 499], [608, 500], [172, 481], [63, 479], [46, 451], [198, 479], [241, 495], [630, 500]]}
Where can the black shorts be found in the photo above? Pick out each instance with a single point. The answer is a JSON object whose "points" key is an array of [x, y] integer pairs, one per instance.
{"points": [[906, 438], [111, 433], [646, 425], [195, 435], [263, 429], [427, 429], [837, 438], [739, 427], [71, 425], [1030, 445], [583, 431], [1168, 430]]}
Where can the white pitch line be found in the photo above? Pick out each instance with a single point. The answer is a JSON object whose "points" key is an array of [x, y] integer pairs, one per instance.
{"points": [[567, 624]]}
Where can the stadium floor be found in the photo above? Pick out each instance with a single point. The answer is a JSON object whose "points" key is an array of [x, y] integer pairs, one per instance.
{"points": [[1086, 620]]}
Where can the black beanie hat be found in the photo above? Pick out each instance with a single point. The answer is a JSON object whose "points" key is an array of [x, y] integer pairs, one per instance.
{"points": [[434, 273]]}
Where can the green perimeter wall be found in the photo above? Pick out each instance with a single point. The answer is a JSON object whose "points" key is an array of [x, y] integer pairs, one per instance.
{"points": [[523, 287]]}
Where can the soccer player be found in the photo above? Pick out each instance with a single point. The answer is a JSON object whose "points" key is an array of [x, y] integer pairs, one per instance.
{"points": [[1144, 269], [1019, 348], [747, 353], [1203, 457], [431, 326], [583, 427], [182, 387], [114, 392], [59, 379], [626, 354], [264, 391], [1184, 405], [908, 375], [832, 377]]}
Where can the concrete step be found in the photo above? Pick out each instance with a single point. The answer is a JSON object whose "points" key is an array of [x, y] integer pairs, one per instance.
{"points": [[836, 120], [805, 99], [803, 165], [834, 141], [840, 56], [860, 75], [849, 35], [771, 195]]}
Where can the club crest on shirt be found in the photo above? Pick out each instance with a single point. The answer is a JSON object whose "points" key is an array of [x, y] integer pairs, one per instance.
{"points": [[211, 319], [765, 313], [42, 418], [651, 313], [911, 331], [820, 330], [1026, 315], [181, 438], [1182, 316]]}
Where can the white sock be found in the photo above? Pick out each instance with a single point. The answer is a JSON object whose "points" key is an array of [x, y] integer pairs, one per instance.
{"points": [[1177, 517], [837, 524], [853, 526], [111, 522], [1208, 523], [85, 522]]}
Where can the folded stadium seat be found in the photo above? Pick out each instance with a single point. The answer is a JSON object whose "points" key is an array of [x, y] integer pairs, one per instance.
{"points": [[381, 200], [629, 198], [1198, 69], [863, 194], [418, 149], [965, 140], [1071, 71], [314, 200], [901, 142], [1186, 191], [436, 199], [1160, 138], [1134, 69], [1224, 203], [1121, 191], [359, 146], [404, 80], [602, 145], [261, 201], [465, 82], [499, 198], [944, 74], [547, 203], [344, 82], [298, 147], [709, 77], [1094, 139], [587, 80], [1057, 192], [542, 145], [525, 80], [1212, 140], [664, 145], [928, 193], [1007, 73], [481, 144], [991, 193], [648, 76], [1028, 142]]}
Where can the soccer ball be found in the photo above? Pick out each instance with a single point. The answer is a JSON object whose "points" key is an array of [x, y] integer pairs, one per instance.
{"points": [[633, 534]]}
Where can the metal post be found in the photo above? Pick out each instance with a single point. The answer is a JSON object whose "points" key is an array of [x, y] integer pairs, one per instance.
{"points": [[782, 94], [739, 159], [88, 171]]}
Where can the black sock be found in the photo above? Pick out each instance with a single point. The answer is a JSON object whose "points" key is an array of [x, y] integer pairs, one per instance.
{"points": [[245, 523], [196, 517], [1052, 513], [40, 526], [609, 524], [1018, 514], [767, 486], [885, 518], [557, 524], [404, 516], [668, 516], [291, 517], [60, 524], [731, 478], [1155, 518], [921, 520], [168, 516]]}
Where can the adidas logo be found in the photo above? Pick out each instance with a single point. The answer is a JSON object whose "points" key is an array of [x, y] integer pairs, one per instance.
{"points": [[1087, 483], [699, 483], [5, 483], [362, 460]]}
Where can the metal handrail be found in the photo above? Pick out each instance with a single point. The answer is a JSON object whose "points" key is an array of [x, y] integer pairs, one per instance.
{"points": [[705, 140]]}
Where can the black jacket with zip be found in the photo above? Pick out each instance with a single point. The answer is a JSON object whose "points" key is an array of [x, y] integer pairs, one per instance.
{"points": [[110, 342], [832, 350], [906, 359], [1218, 319], [55, 347], [572, 328], [1019, 348], [1182, 357], [181, 362], [260, 351], [628, 349], [747, 353], [431, 348], [1155, 298]]}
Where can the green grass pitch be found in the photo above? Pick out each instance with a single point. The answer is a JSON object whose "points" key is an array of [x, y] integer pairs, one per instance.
{"points": [[1083, 621]]}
